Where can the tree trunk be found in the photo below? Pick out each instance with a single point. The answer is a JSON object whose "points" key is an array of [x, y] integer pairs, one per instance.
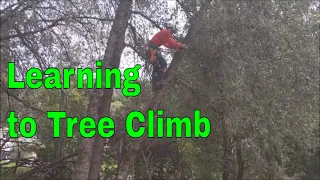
{"points": [[89, 161], [159, 95], [222, 111], [115, 46], [125, 167], [82, 165], [240, 160], [227, 155]]}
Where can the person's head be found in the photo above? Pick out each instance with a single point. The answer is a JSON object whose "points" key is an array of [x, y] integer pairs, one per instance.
{"points": [[170, 28]]}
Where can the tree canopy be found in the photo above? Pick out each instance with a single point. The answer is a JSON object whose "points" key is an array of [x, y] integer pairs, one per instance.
{"points": [[251, 68]]}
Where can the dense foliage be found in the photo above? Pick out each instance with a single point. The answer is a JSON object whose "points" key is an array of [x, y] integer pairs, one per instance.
{"points": [[252, 68]]}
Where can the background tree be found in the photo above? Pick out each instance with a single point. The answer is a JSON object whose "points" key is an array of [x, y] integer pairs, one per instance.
{"points": [[251, 68]]}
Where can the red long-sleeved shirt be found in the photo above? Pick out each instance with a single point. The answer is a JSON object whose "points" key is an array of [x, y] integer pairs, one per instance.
{"points": [[163, 37]]}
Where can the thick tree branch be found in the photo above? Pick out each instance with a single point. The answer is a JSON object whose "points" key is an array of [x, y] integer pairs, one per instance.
{"points": [[55, 23], [133, 29]]}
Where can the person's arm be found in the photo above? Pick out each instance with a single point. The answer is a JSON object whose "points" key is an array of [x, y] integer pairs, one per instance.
{"points": [[172, 44]]}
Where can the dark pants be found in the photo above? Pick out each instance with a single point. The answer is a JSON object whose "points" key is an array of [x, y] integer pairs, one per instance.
{"points": [[158, 66]]}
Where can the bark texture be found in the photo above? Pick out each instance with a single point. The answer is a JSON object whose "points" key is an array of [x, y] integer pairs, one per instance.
{"points": [[240, 160], [89, 161]]}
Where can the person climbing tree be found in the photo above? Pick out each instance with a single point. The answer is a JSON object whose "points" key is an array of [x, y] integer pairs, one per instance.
{"points": [[163, 37]]}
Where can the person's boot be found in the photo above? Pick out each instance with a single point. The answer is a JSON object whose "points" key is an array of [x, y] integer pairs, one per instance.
{"points": [[154, 86], [155, 81], [161, 78]]}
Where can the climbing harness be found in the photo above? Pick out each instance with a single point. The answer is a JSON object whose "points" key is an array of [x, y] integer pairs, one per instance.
{"points": [[159, 65], [152, 52], [152, 56]]}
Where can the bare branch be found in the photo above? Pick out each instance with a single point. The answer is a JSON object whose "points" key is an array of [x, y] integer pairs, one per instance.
{"points": [[51, 165], [55, 23], [20, 100], [149, 19], [90, 17]]}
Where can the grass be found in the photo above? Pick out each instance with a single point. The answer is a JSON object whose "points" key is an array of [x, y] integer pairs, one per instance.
{"points": [[11, 176]]}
